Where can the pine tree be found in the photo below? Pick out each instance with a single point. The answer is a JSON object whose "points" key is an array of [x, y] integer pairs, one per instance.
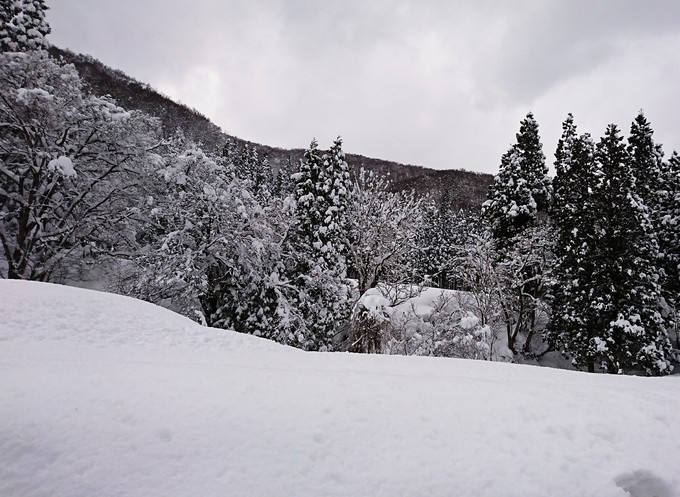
{"points": [[23, 26], [607, 293], [656, 181], [255, 170], [669, 229], [510, 208], [282, 185], [574, 320], [626, 274], [441, 240], [521, 189], [646, 163], [322, 187], [533, 167]]}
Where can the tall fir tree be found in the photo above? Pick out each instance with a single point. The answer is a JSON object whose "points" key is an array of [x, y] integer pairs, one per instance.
{"points": [[23, 26], [575, 317], [255, 170], [520, 192], [441, 240], [628, 277], [322, 187], [521, 189], [656, 182], [615, 319], [646, 161], [534, 169], [669, 231]]}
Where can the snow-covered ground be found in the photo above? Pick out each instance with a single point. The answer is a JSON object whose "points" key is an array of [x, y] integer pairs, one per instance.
{"points": [[102, 395]]}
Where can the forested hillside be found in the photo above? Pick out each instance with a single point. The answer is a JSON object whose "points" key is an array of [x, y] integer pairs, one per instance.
{"points": [[103, 178], [466, 189]]}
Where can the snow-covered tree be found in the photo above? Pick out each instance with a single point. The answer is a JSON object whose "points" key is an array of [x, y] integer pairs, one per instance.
{"points": [[606, 309], [520, 191], [68, 164], [441, 240], [521, 188], [657, 182], [646, 162], [254, 170], [382, 227], [668, 231], [216, 252], [447, 329], [317, 267], [23, 26], [626, 278], [574, 216]]}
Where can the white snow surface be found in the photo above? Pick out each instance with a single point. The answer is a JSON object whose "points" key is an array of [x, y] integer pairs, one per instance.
{"points": [[62, 165], [102, 395]]}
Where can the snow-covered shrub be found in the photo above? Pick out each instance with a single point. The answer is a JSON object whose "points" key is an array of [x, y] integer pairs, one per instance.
{"points": [[445, 330], [370, 319], [431, 322]]}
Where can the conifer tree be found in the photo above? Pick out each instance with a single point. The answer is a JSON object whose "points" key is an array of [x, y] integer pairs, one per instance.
{"points": [[574, 317], [646, 161], [534, 169], [255, 170], [627, 281], [521, 188], [23, 26], [669, 230], [322, 187], [607, 293], [656, 182], [441, 240], [520, 191]]}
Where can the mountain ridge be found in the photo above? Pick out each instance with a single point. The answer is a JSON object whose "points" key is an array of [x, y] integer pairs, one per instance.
{"points": [[466, 189]]}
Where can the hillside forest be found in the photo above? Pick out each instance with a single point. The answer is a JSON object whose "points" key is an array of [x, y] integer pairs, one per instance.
{"points": [[313, 248]]}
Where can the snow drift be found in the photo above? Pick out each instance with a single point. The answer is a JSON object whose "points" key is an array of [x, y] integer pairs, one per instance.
{"points": [[105, 395]]}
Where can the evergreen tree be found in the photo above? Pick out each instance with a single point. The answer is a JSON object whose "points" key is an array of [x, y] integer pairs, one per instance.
{"points": [[282, 185], [23, 26], [646, 160], [626, 278], [520, 191], [255, 170], [533, 167], [669, 230], [607, 297], [656, 182], [510, 207], [521, 188], [441, 240], [574, 322], [322, 187]]}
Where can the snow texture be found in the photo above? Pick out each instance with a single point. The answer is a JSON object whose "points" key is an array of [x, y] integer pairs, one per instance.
{"points": [[62, 165], [108, 396]]}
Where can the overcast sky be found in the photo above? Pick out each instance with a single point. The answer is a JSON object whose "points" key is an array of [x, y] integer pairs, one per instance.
{"points": [[438, 83]]}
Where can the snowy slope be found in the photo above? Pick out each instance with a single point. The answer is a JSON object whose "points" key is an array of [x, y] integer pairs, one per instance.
{"points": [[102, 395]]}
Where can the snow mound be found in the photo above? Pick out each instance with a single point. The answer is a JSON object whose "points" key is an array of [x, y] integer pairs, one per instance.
{"points": [[36, 312], [108, 396]]}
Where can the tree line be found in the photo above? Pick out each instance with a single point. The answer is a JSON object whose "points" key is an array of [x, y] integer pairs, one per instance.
{"points": [[585, 263]]}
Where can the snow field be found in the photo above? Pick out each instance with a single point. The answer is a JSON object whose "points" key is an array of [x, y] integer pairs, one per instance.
{"points": [[108, 396]]}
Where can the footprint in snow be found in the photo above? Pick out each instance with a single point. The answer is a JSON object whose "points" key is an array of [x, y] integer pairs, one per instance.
{"points": [[642, 483]]}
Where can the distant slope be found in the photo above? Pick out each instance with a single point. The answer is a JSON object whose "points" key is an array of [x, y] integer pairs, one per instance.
{"points": [[468, 189]]}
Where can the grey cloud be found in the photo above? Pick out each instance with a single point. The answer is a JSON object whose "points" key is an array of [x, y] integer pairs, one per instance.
{"points": [[432, 82]]}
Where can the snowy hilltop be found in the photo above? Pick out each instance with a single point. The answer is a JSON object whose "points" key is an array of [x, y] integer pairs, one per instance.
{"points": [[105, 395]]}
